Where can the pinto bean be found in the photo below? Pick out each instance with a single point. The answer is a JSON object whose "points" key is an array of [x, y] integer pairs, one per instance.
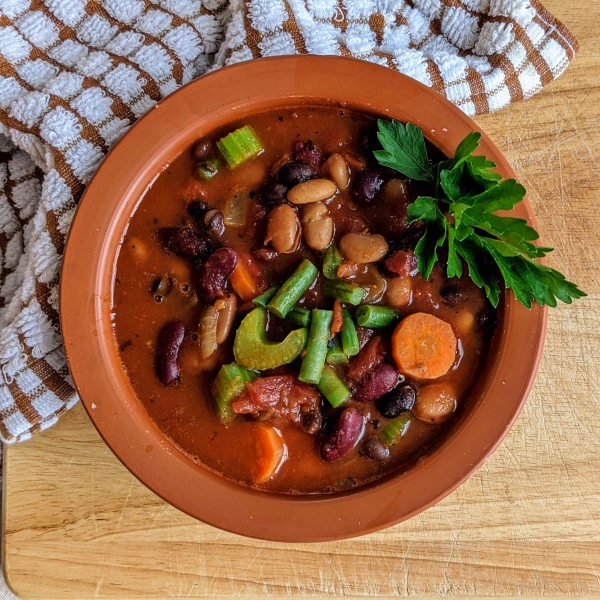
{"points": [[338, 170], [214, 274], [169, 343], [435, 403], [227, 309], [283, 229], [343, 436], [367, 185], [362, 249], [317, 226], [293, 173], [184, 242], [399, 292], [313, 190], [380, 382]]}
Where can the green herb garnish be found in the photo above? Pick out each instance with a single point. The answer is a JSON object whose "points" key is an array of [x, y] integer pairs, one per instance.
{"points": [[467, 192]]}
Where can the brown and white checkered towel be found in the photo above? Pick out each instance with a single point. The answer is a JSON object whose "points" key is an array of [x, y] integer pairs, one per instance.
{"points": [[75, 74]]}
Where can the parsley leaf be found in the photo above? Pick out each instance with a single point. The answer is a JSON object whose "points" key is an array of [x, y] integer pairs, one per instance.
{"points": [[404, 150], [467, 192]]}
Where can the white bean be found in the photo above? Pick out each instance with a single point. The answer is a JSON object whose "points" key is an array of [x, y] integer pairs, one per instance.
{"points": [[227, 307], [283, 229], [338, 170], [317, 226], [363, 248], [313, 190]]}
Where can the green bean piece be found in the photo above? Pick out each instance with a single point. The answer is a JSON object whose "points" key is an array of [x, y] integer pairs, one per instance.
{"points": [[332, 260], [333, 388], [208, 169], [335, 354], [348, 335], [395, 429], [344, 291], [316, 347], [266, 297], [376, 317], [292, 289], [299, 316]]}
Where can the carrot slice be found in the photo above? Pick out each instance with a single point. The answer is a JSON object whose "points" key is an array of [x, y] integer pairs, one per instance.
{"points": [[271, 452], [246, 278], [423, 346], [336, 323]]}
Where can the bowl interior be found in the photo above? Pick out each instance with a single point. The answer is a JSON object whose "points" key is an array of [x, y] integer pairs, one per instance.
{"points": [[86, 292]]}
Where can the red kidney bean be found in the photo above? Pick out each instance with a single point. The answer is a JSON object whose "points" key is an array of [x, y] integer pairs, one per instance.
{"points": [[184, 242], [398, 401], [381, 381], [214, 274], [293, 173], [366, 186], [375, 449], [170, 339], [343, 436], [307, 152]]}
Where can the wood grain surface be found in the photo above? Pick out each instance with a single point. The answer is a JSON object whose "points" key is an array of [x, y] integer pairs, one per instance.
{"points": [[77, 524]]}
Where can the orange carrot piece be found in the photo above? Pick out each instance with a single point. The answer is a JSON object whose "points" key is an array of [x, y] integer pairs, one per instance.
{"points": [[423, 346], [271, 452], [336, 323], [246, 279]]}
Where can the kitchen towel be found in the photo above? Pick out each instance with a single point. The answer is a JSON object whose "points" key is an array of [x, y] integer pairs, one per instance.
{"points": [[75, 74]]}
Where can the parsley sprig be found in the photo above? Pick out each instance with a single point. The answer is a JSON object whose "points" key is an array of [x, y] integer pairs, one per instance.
{"points": [[467, 192]]}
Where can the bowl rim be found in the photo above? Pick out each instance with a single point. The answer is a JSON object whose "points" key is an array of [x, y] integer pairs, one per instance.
{"points": [[99, 226]]}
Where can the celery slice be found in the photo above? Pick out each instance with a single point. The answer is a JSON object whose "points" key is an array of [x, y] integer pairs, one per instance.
{"points": [[227, 386], [239, 146], [395, 429], [208, 169]]}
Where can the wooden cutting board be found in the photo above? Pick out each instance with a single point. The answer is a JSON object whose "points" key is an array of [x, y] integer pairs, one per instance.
{"points": [[77, 524]]}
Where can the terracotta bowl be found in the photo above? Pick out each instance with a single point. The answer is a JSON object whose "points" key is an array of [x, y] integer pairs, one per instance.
{"points": [[86, 289]]}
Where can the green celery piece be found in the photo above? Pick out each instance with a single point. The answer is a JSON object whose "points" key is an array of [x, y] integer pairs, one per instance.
{"points": [[253, 350], [239, 146], [395, 428], [227, 386], [208, 169]]}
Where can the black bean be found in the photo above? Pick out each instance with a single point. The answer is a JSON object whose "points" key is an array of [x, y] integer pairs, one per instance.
{"points": [[202, 149], [170, 339], [293, 173], [214, 274], [367, 185], [274, 193], [343, 435], [452, 294], [197, 209], [214, 221], [398, 401], [184, 242], [375, 449]]}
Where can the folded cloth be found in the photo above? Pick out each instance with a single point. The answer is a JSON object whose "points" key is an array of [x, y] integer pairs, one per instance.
{"points": [[75, 74]]}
